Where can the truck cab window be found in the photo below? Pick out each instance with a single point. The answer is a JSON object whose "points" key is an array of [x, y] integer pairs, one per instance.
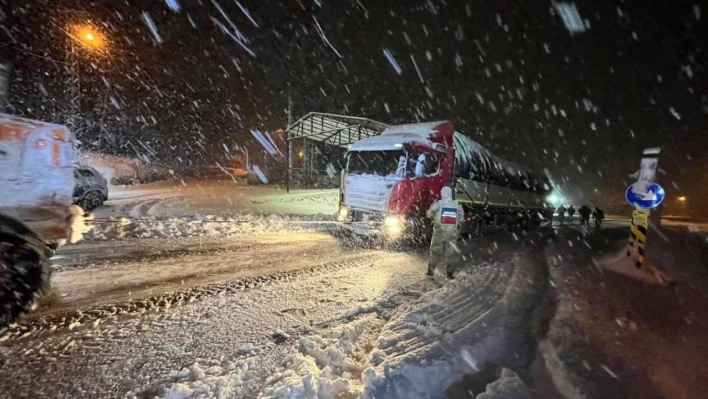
{"points": [[426, 165], [380, 163]]}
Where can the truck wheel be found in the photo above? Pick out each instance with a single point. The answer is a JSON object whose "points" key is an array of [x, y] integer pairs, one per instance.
{"points": [[91, 201], [24, 270]]}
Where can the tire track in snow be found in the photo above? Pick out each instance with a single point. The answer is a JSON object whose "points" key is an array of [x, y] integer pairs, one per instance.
{"points": [[143, 208], [65, 264], [96, 314], [130, 356], [485, 317]]}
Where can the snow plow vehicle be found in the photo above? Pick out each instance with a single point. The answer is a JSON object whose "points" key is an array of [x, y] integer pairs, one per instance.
{"points": [[392, 179], [36, 211]]}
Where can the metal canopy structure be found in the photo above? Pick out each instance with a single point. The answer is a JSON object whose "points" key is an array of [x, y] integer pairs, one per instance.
{"points": [[339, 130], [330, 129]]}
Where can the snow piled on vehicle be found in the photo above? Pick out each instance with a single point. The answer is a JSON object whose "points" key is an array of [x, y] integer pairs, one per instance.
{"points": [[113, 228]]}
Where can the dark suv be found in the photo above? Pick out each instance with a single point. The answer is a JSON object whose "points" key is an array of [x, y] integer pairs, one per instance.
{"points": [[91, 188]]}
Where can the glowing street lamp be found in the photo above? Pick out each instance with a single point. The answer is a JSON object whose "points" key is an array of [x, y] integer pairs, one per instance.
{"points": [[682, 199], [89, 37]]}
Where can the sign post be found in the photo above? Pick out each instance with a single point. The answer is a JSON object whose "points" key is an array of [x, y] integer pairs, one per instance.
{"points": [[645, 194]]}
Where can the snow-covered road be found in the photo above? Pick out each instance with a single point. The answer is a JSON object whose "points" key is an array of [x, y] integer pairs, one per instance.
{"points": [[283, 315], [109, 271], [121, 327], [302, 312]]}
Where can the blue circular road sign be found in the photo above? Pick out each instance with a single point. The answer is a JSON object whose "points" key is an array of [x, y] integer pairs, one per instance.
{"points": [[644, 195]]}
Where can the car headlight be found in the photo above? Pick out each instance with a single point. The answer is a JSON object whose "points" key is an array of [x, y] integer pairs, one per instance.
{"points": [[392, 221]]}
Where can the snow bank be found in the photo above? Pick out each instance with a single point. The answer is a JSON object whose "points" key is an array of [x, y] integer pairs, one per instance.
{"points": [[152, 227], [508, 386], [325, 367], [478, 319], [214, 382]]}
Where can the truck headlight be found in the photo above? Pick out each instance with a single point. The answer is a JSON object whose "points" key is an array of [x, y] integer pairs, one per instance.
{"points": [[343, 214], [393, 225], [392, 221]]}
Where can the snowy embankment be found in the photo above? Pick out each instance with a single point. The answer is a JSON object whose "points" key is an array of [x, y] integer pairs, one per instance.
{"points": [[474, 328], [153, 227], [476, 324]]}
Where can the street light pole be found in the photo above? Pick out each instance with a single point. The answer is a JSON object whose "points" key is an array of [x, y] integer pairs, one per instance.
{"points": [[287, 140], [75, 86], [87, 37]]}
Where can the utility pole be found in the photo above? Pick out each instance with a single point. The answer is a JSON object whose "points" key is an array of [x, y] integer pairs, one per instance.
{"points": [[287, 140], [74, 86], [4, 84]]}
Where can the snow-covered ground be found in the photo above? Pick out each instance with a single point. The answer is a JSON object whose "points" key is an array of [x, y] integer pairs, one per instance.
{"points": [[240, 331], [113, 228], [617, 336], [180, 198], [305, 312]]}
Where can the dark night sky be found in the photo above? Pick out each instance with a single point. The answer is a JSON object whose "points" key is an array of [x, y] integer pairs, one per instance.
{"points": [[507, 73]]}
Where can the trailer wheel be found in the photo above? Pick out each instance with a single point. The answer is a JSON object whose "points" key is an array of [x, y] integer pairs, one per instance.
{"points": [[24, 269]]}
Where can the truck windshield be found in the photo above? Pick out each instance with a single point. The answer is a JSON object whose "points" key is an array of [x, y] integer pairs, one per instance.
{"points": [[380, 163]]}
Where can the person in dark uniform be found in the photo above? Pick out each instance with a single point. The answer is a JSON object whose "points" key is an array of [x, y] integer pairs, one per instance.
{"points": [[598, 215], [561, 213], [571, 213], [584, 212]]}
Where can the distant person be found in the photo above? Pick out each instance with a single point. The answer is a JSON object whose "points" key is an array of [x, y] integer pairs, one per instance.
{"points": [[561, 213], [571, 213], [446, 215], [598, 215], [584, 212]]}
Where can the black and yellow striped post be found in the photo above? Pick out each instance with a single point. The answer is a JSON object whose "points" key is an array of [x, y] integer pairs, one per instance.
{"points": [[637, 245], [639, 227]]}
